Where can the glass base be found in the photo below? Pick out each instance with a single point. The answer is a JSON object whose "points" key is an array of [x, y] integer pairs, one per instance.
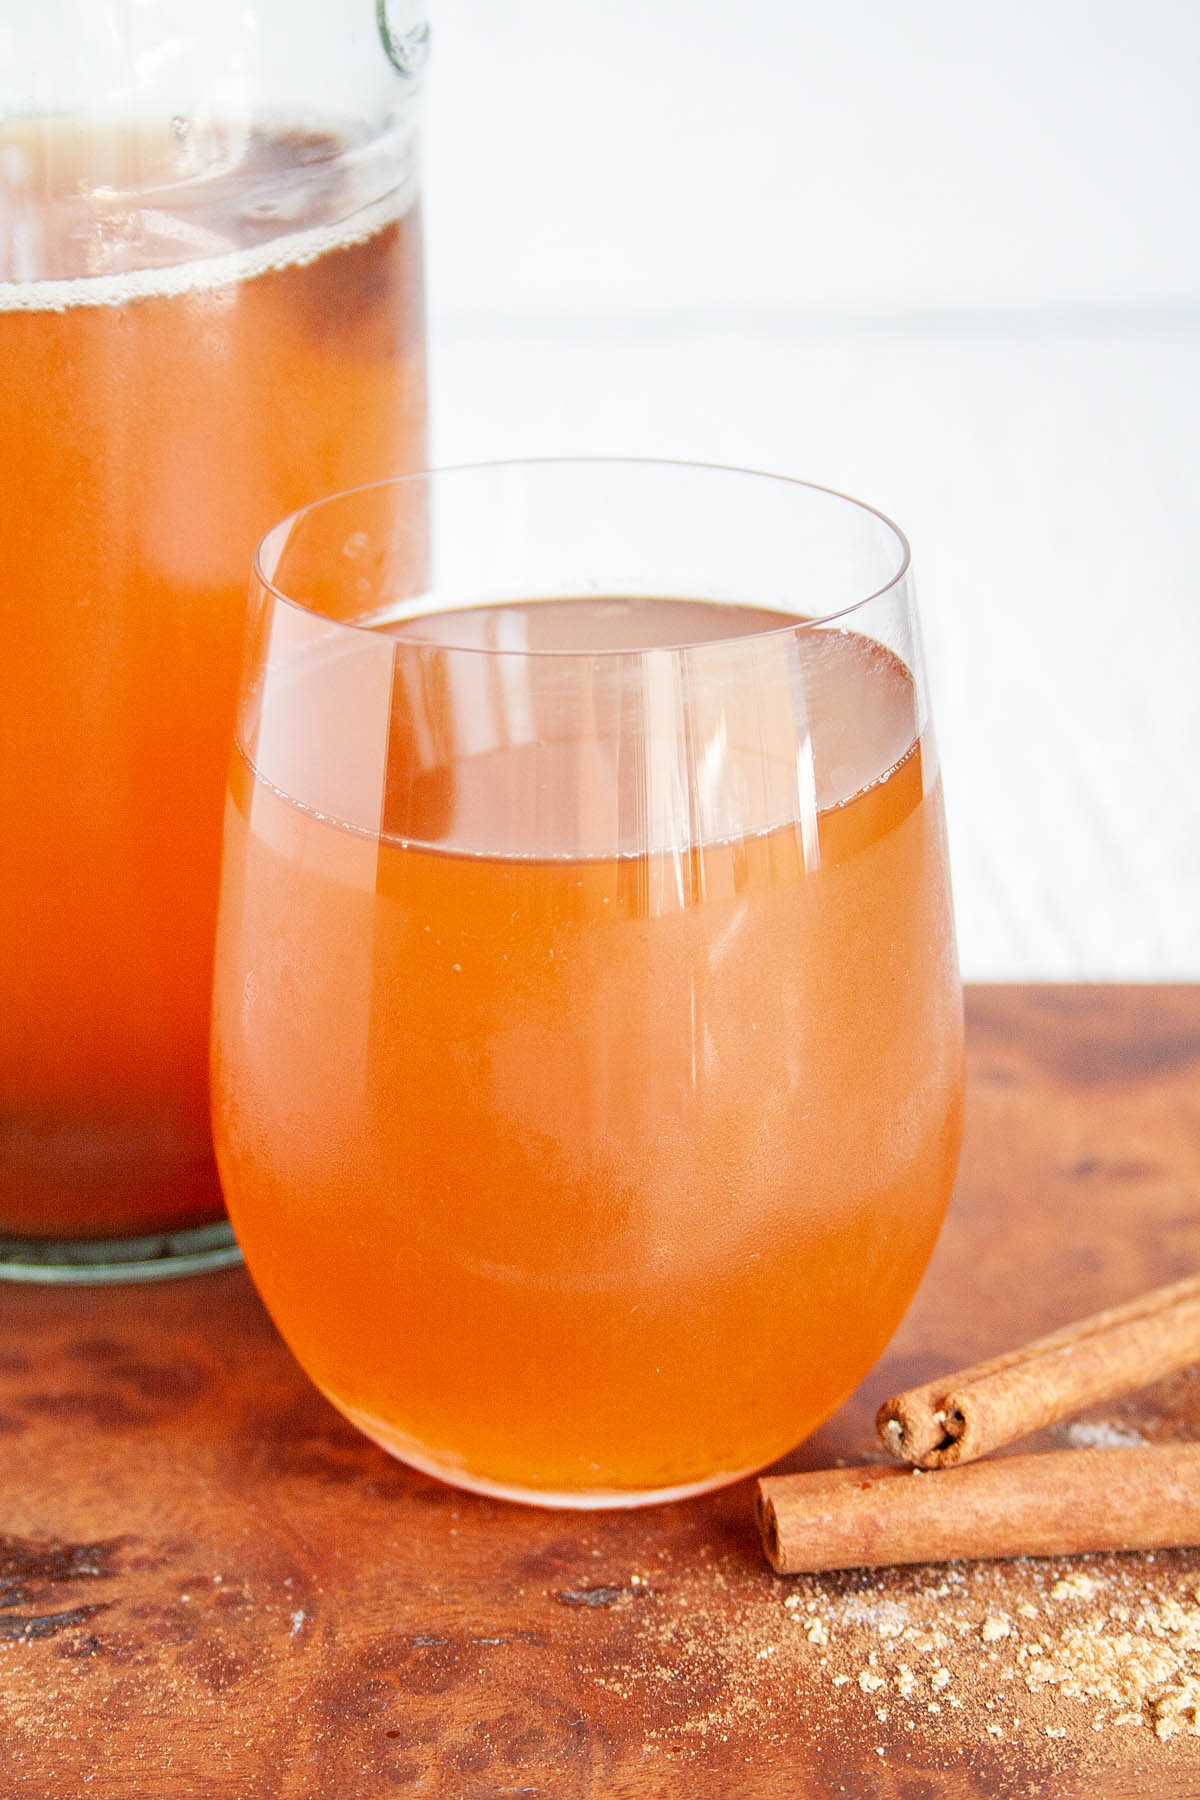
{"points": [[578, 1499], [85, 1261]]}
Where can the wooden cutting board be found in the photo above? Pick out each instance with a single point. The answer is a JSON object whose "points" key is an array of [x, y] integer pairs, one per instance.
{"points": [[211, 1587]]}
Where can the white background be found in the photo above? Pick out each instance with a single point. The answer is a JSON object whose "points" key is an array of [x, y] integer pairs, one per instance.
{"points": [[942, 255]]}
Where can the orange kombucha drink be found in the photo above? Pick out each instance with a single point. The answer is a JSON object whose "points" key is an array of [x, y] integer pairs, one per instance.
{"points": [[233, 360], [585, 1177]]}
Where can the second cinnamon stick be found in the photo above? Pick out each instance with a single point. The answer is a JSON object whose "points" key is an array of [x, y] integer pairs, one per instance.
{"points": [[1054, 1504]]}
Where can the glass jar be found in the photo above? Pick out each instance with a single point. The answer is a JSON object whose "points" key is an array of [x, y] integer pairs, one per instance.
{"points": [[210, 314]]}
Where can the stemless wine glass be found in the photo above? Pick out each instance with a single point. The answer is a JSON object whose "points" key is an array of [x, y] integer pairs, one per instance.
{"points": [[587, 1058]]}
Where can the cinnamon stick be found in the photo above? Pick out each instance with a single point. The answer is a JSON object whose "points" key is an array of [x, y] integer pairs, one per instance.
{"points": [[959, 1417], [1054, 1504]]}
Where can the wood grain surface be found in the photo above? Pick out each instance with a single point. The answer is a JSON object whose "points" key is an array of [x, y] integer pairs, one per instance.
{"points": [[212, 1587]]}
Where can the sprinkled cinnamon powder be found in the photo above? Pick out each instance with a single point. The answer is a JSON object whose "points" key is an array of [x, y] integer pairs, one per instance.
{"points": [[1056, 1653], [1086, 1434]]}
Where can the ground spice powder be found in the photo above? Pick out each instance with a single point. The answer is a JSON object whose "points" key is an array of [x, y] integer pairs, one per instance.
{"points": [[1041, 1660]]}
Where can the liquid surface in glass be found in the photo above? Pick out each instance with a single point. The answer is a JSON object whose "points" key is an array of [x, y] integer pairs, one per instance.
{"points": [[570, 1174]]}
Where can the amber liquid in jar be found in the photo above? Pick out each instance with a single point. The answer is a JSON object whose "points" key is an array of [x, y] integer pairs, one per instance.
{"points": [[183, 360]]}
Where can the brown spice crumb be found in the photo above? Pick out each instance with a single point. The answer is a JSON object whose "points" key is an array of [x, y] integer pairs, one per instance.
{"points": [[1101, 1652]]}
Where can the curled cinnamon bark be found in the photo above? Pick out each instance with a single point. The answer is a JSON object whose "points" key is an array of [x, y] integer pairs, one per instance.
{"points": [[963, 1416]]}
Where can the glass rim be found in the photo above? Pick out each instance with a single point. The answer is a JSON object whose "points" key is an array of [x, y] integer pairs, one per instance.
{"points": [[793, 626]]}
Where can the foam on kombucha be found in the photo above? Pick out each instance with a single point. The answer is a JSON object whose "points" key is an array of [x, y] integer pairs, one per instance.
{"points": [[566, 1168], [183, 360]]}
